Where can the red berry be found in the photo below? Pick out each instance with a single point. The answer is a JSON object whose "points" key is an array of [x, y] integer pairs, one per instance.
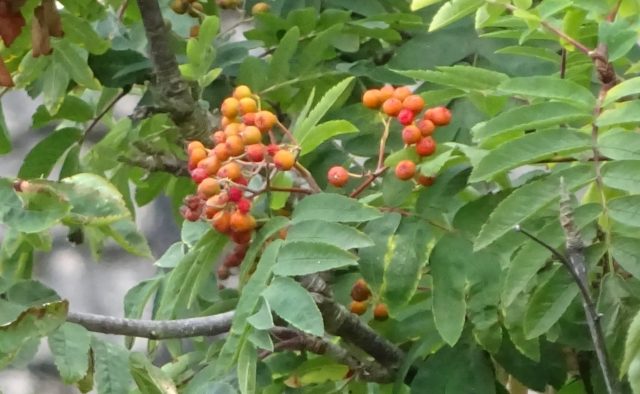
{"points": [[338, 176], [405, 169], [426, 146], [235, 194], [411, 134], [199, 174], [426, 180], [255, 152], [413, 102], [244, 205], [405, 116], [440, 116], [426, 127], [272, 149]]}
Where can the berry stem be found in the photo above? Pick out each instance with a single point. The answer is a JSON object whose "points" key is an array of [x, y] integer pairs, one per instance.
{"points": [[380, 169], [286, 131], [308, 177]]}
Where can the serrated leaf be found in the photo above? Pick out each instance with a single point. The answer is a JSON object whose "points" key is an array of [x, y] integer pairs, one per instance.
{"points": [[262, 319], [372, 258], [302, 258], [323, 132], [622, 174], [452, 11], [303, 126], [529, 148], [36, 321], [54, 86], [419, 4], [111, 368], [246, 306], [136, 299], [333, 208], [126, 234], [247, 368], [549, 87], [280, 60], [461, 77], [631, 345], [620, 145], [270, 228], [171, 256], [530, 51], [5, 141], [80, 32], [625, 113], [527, 200], [279, 198], [70, 345], [625, 210], [302, 314], [149, 378], [72, 59], [336, 234], [623, 89], [534, 116], [626, 252], [549, 302]]}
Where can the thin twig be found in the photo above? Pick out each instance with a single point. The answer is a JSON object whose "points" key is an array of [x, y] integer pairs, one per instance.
{"points": [[101, 115], [154, 329], [308, 177], [122, 9], [563, 63], [380, 168]]}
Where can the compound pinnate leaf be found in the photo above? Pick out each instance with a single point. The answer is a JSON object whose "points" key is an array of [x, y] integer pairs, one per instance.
{"points": [[333, 208], [452, 11], [111, 363], [550, 88], [336, 234], [303, 313], [625, 210], [303, 258], [70, 345]]}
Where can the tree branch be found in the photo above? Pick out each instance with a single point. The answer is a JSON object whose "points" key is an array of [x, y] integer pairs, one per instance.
{"points": [[175, 94], [154, 329]]}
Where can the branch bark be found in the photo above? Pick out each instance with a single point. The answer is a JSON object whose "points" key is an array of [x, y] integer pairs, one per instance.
{"points": [[175, 95], [154, 329]]}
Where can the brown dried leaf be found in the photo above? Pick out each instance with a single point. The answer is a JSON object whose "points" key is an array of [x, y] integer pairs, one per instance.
{"points": [[5, 76], [52, 18], [39, 33], [11, 21]]}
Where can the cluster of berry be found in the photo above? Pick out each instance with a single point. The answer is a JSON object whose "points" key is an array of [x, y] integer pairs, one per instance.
{"points": [[238, 153], [360, 294], [402, 104]]}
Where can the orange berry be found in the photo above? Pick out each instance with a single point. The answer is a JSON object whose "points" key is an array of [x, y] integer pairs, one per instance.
{"points": [[426, 127], [231, 170], [251, 135], [196, 155], [248, 105], [392, 106], [221, 222], [230, 107], [386, 92], [210, 164], [218, 137], [360, 291], [241, 91], [357, 307], [338, 176], [249, 119], [242, 237], [194, 145], [372, 98], [405, 169], [241, 222], [411, 134], [260, 8], [208, 187], [284, 160], [381, 312], [401, 93], [426, 146], [233, 129], [255, 152], [194, 31], [235, 146], [179, 6], [265, 120], [222, 152], [413, 103], [425, 180], [440, 116], [224, 122]]}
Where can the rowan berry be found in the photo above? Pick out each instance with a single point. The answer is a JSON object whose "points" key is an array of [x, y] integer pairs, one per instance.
{"points": [[338, 176], [405, 169], [426, 146]]}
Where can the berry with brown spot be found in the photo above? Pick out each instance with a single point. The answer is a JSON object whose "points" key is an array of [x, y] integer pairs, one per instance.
{"points": [[265, 120], [357, 307], [338, 176], [372, 99], [411, 134], [426, 146], [381, 312], [284, 160], [392, 106], [360, 291], [405, 170]]}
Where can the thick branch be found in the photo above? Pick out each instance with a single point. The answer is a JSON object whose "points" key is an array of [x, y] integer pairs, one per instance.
{"points": [[175, 93], [154, 329]]}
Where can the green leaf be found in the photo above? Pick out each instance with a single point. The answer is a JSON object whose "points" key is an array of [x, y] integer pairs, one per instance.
{"points": [[247, 368], [373, 259], [209, 29], [323, 132], [303, 126], [281, 58], [149, 378], [333, 208], [462, 77], [80, 32], [72, 59], [40, 160], [631, 346], [73, 108], [620, 145], [70, 345], [36, 321], [111, 368], [619, 37], [303, 313], [126, 234], [534, 116], [549, 87], [171, 256], [270, 228], [279, 199], [302, 258], [452, 11], [626, 113], [262, 319], [54, 86], [5, 140], [625, 210], [549, 302], [529, 148], [623, 89], [246, 306], [626, 252], [419, 4], [622, 174], [136, 299], [527, 200], [336, 234]]}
